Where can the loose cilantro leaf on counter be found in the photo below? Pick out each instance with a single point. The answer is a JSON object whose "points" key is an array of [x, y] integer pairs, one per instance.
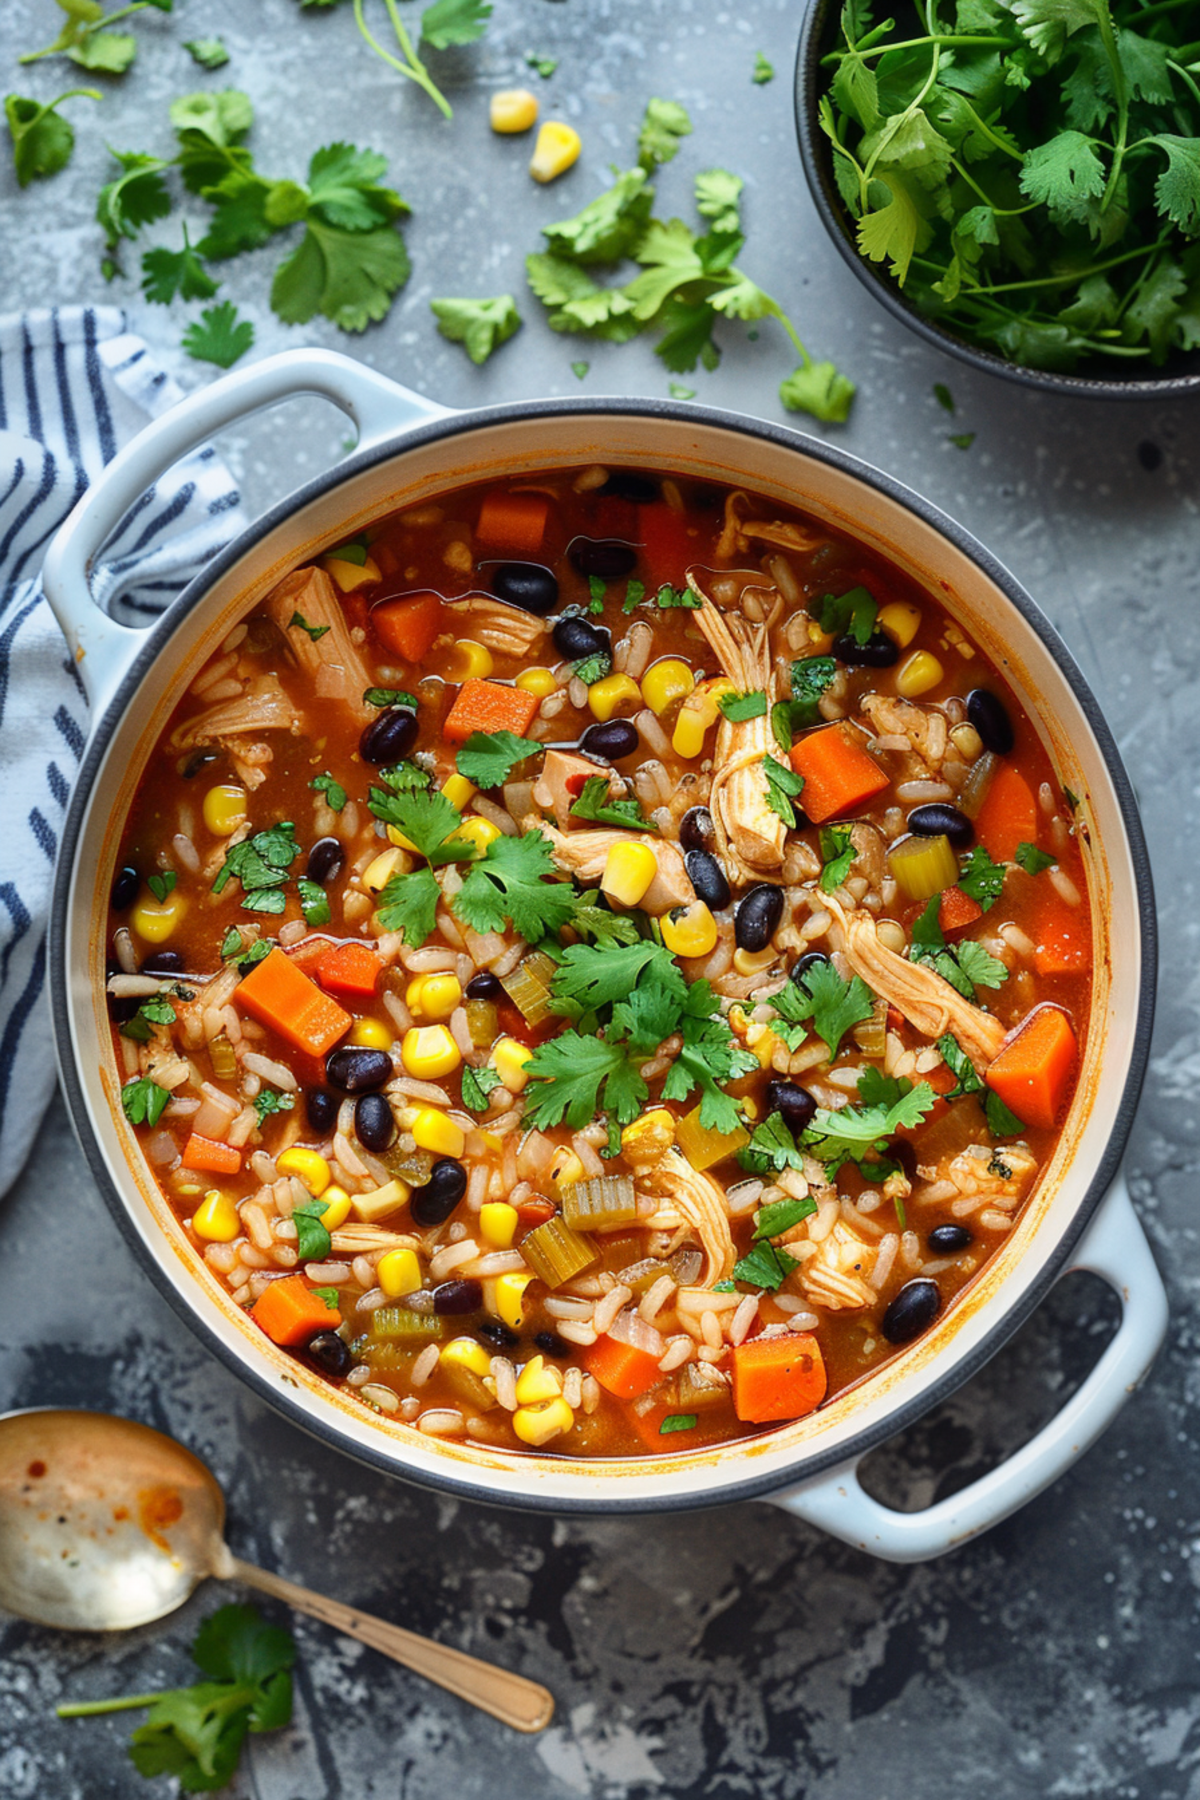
{"points": [[981, 878], [477, 1084], [764, 70], [85, 41], [764, 1267], [507, 884], [42, 139], [966, 1081], [1033, 860], [737, 708], [541, 65], [219, 337], [783, 786], [593, 804], [270, 1100], [837, 852], [833, 1005], [664, 126], [135, 199], [488, 758], [334, 792], [162, 885], [168, 274], [409, 904], [390, 697], [210, 53], [480, 326], [142, 1101]]}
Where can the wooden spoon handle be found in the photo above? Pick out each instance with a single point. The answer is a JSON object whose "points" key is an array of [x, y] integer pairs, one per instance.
{"points": [[525, 1705]]}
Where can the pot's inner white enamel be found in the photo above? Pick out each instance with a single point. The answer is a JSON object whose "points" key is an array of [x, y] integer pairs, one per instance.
{"points": [[882, 523]]}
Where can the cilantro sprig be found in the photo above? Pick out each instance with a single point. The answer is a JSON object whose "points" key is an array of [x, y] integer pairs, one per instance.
{"points": [[967, 966], [261, 864], [832, 1004], [594, 805]]}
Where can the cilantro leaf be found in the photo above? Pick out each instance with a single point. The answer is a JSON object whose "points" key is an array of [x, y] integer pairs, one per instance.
{"points": [[606, 229], [594, 668], [261, 862], [771, 1146], [838, 853], [449, 22], [981, 878], [782, 1215], [810, 678], [1001, 1122], [981, 968], [313, 1241], [154, 1011], [606, 929], [348, 276], [570, 1074], [1033, 860], [718, 198], [477, 1084], [783, 786], [821, 389], [409, 904], [300, 623], [966, 1081], [853, 1131], [851, 614], [269, 1100], [480, 326], [334, 792], [764, 70], [664, 126], [314, 902], [42, 139], [135, 199], [428, 820], [167, 274], [765, 1267], [677, 1422], [593, 804], [737, 708], [541, 65], [390, 697], [507, 884], [488, 758], [833, 1005], [162, 884], [210, 53], [219, 337], [142, 1101], [590, 977], [710, 1055]]}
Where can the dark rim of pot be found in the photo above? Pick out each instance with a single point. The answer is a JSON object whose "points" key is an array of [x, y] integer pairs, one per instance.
{"points": [[731, 1485], [818, 169]]}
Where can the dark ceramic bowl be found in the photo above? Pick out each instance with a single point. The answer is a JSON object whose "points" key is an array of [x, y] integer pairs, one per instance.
{"points": [[1098, 380]]}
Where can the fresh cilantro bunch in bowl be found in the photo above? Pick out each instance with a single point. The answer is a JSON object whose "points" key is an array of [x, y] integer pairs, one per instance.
{"points": [[1018, 179]]}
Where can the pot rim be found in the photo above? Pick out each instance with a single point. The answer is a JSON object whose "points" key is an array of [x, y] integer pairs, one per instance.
{"points": [[817, 173], [960, 1369]]}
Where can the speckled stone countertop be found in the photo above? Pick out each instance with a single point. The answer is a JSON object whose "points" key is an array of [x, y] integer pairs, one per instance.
{"points": [[732, 1653]]}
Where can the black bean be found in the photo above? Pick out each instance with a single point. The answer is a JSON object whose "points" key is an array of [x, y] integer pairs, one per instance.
{"points": [[324, 860], [433, 1203], [810, 960], [879, 652], [119, 1011], [628, 486], [551, 1343], [708, 878], [330, 1353], [612, 741], [575, 638], [163, 962], [947, 1239], [794, 1104], [990, 718], [496, 1333], [527, 585], [322, 1109], [458, 1297], [913, 1311], [355, 1070], [602, 556], [373, 1125], [390, 737], [484, 986], [696, 829], [757, 918], [939, 820], [125, 886]]}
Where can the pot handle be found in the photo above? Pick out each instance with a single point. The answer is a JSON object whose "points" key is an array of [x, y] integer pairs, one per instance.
{"points": [[1114, 1247], [102, 648]]}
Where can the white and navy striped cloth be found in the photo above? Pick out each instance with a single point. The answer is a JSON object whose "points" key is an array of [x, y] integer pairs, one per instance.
{"points": [[74, 385]]}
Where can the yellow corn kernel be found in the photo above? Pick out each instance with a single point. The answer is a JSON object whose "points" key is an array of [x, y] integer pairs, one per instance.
{"points": [[468, 661], [379, 1203], [466, 1353], [458, 790], [224, 809], [749, 1108], [510, 1298], [537, 1382], [709, 694], [648, 1138], [509, 1059], [703, 1145], [536, 1425], [541, 682], [498, 1224], [479, 833], [308, 1166], [216, 1218], [629, 871], [901, 622], [665, 681], [753, 962], [378, 873], [155, 920], [436, 1132], [428, 1051], [398, 1272], [350, 575], [762, 1040], [370, 1034], [513, 110], [565, 1166], [690, 930], [921, 672], [967, 741], [556, 150], [335, 1207], [605, 696], [397, 837], [433, 996], [687, 740]]}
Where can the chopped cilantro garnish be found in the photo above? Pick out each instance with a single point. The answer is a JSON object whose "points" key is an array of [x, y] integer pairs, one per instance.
{"points": [[781, 1216], [635, 593], [406, 778], [606, 929], [810, 678], [967, 966], [142, 1100], [668, 598], [854, 1132], [315, 632], [157, 1010], [270, 1100], [837, 853], [330, 1296], [832, 1004], [1001, 1122], [594, 804], [1033, 860], [765, 1267], [334, 792], [982, 878], [488, 758], [477, 1084], [783, 786], [571, 1073], [390, 697], [966, 1081], [313, 1241], [409, 904], [677, 1422], [852, 614], [737, 708], [428, 820], [594, 668], [261, 863], [597, 589], [771, 1146], [508, 885], [161, 885], [314, 902], [1071, 799]]}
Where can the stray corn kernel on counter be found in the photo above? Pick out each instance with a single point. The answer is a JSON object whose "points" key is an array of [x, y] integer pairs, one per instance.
{"points": [[597, 964]]}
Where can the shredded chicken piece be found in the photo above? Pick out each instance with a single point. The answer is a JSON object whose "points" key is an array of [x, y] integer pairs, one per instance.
{"points": [[737, 531], [699, 1200], [263, 707], [750, 836], [836, 1276], [361, 1240], [584, 854], [986, 1176], [925, 999], [332, 663], [508, 629], [924, 727], [553, 795]]}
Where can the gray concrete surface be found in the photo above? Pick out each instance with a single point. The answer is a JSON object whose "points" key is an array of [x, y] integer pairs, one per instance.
{"points": [[712, 1655]]}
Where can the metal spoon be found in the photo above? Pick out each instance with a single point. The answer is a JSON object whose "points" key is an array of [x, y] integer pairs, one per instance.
{"points": [[106, 1524]]}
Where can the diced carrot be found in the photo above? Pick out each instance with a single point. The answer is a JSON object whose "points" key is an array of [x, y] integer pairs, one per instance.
{"points": [[205, 1153], [291, 1313], [838, 774], [280, 995], [668, 543], [1062, 940], [957, 909], [1008, 816], [408, 627], [777, 1377], [514, 522], [349, 969], [621, 1369], [487, 706], [1032, 1074]]}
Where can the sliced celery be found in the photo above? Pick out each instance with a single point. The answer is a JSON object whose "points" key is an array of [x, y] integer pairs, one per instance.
{"points": [[390, 1324], [224, 1061], [600, 1203], [528, 987], [557, 1253], [871, 1034], [975, 787], [923, 866]]}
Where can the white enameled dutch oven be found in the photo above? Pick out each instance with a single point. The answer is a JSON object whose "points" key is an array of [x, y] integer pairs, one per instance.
{"points": [[409, 449]]}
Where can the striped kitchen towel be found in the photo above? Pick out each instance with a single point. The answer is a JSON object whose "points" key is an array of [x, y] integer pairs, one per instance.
{"points": [[74, 385]]}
